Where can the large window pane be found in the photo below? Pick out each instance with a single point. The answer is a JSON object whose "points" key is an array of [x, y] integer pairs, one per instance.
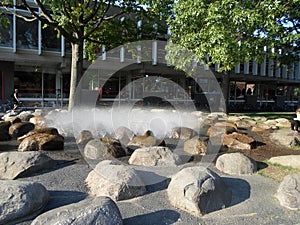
{"points": [[49, 86], [6, 31], [27, 34], [68, 47], [50, 41], [29, 84]]}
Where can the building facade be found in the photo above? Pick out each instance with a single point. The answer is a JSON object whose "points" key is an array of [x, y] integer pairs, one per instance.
{"points": [[37, 62]]}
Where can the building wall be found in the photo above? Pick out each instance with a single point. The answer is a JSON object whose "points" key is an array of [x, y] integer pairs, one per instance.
{"points": [[7, 79]]}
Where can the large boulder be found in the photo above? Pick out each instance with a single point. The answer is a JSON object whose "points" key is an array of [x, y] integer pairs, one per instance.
{"points": [[103, 148], [25, 115], [245, 123], [21, 200], [260, 119], [45, 130], [261, 128], [227, 127], [42, 141], [196, 145], [287, 160], [238, 141], [144, 141], [4, 125], [198, 191], [115, 180], [11, 117], [84, 137], [20, 164], [19, 129], [101, 210], [124, 135], [236, 164], [154, 156], [4, 135], [283, 122], [184, 133], [288, 192], [38, 121]]}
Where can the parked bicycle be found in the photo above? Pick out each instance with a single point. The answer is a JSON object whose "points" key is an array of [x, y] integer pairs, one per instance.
{"points": [[8, 106]]}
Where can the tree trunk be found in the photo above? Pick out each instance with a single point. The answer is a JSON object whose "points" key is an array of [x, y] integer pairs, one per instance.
{"points": [[76, 71], [225, 88]]}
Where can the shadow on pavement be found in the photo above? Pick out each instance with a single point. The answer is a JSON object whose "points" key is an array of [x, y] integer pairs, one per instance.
{"points": [[240, 189], [153, 181], [161, 217], [62, 198]]}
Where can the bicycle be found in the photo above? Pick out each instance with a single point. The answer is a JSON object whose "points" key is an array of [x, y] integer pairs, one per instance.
{"points": [[8, 106]]}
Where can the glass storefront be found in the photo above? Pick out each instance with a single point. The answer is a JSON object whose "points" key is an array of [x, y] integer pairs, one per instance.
{"points": [[40, 88]]}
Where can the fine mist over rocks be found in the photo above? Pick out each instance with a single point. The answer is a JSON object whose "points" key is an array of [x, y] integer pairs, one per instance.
{"points": [[104, 121]]}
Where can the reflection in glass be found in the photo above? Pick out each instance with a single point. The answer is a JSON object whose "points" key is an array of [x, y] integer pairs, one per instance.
{"points": [[68, 47], [6, 31], [27, 34], [50, 39]]}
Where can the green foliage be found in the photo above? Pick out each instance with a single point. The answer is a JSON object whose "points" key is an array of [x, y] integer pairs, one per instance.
{"points": [[273, 115], [275, 171], [231, 32]]}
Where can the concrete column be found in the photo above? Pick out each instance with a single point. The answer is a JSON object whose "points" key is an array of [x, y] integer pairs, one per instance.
{"points": [[291, 70], [237, 68], [284, 71], [154, 53], [263, 67], [246, 68], [122, 54], [254, 67]]}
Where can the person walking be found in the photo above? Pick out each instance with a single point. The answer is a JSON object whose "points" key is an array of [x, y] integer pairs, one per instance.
{"points": [[295, 123], [15, 99]]}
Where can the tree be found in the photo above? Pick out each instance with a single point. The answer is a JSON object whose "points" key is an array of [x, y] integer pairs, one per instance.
{"points": [[228, 32], [92, 23]]}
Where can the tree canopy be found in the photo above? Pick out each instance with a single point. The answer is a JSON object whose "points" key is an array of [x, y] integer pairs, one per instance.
{"points": [[93, 23], [228, 32]]}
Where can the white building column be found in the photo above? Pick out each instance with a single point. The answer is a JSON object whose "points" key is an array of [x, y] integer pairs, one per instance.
{"points": [[154, 53], [284, 71], [254, 67], [291, 70], [264, 63], [237, 68], [246, 68], [271, 65]]}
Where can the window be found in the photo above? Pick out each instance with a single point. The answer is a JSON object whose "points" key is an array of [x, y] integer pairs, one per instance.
{"points": [[50, 40], [6, 31], [27, 34]]}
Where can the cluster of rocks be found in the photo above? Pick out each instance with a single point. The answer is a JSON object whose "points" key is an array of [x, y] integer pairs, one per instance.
{"points": [[30, 129], [191, 187], [33, 137], [21, 200]]}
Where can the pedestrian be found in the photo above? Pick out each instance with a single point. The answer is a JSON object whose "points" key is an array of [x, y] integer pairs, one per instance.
{"points": [[15, 99], [295, 123]]}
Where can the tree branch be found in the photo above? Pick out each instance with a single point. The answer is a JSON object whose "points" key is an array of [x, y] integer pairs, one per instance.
{"points": [[19, 15]]}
